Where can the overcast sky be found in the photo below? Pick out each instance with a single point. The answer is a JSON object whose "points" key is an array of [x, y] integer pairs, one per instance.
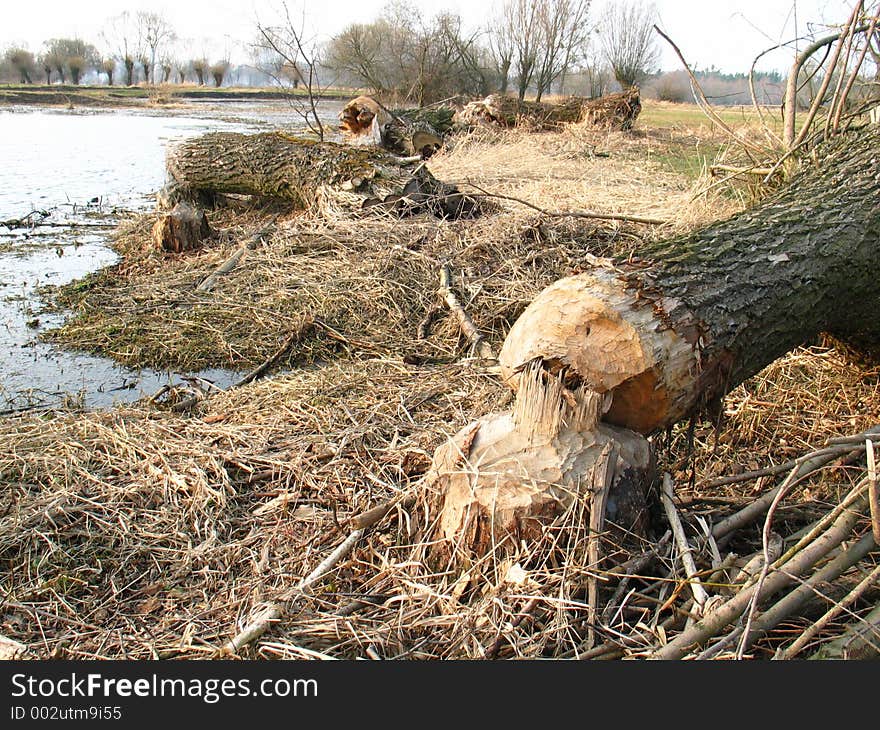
{"points": [[727, 35]]}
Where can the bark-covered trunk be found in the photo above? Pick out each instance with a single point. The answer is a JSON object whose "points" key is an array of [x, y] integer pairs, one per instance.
{"points": [[615, 110], [306, 173], [653, 339], [696, 315]]}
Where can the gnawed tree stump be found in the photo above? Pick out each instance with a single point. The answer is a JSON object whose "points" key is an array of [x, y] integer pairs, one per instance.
{"points": [[185, 228], [613, 111], [304, 173], [364, 121], [503, 479], [665, 335]]}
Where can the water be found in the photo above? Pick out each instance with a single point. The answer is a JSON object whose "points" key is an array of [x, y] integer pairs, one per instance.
{"points": [[85, 168]]}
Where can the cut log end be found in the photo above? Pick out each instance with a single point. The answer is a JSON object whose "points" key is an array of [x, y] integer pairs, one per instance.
{"points": [[593, 331]]}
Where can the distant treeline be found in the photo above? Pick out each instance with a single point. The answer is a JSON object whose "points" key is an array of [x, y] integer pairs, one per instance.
{"points": [[528, 47]]}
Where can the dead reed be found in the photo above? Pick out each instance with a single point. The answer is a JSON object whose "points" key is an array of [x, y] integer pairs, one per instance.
{"points": [[141, 533]]}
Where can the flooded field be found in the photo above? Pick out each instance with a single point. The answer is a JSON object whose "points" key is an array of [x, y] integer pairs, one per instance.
{"points": [[74, 174]]}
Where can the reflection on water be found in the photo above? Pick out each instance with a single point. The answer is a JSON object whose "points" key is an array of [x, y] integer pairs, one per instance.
{"points": [[82, 167]]}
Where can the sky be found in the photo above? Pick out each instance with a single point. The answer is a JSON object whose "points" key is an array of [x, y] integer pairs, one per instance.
{"points": [[727, 35]]}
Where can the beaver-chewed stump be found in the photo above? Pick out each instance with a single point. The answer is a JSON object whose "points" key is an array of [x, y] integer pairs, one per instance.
{"points": [[334, 178], [185, 228], [659, 338], [419, 131], [504, 479]]}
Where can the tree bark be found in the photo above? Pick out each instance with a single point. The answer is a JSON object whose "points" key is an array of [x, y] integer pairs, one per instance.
{"points": [[307, 174], [696, 315], [615, 110]]}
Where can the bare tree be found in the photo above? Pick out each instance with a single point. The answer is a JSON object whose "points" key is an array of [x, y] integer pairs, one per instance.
{"points": [[357, 53], [501, 47], [200, 66], [295, 60], [48, 65], [521, 24], [404, 55], [70, 54], [23, 62], [122, 36], [563, 34], [155, 31], [599, 77], [108, 66], [218, 72], [628, 40]]}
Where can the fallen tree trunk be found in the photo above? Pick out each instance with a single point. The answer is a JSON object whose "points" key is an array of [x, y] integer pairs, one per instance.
{"points": [[696, 315], [657, 338], [614, 111], [418, 131], [306, 174]]}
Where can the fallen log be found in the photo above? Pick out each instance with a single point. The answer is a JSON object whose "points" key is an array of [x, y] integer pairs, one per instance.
{"points": [[418, 131], [308, 174], [617, 111], [694, 316], [662, 336]]}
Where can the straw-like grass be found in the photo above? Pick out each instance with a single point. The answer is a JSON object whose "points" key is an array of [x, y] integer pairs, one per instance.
{"points": [[139, 532]]}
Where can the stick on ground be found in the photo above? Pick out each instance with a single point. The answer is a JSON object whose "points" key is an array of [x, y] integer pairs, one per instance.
{"points": [[475, 337], [277, 610]]}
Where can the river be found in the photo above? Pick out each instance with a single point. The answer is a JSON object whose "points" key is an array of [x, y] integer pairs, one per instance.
{"points": [[86, 169]]}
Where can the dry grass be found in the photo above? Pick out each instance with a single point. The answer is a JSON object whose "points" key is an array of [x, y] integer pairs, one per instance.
{"points": [[139, 533], [142, 533]]}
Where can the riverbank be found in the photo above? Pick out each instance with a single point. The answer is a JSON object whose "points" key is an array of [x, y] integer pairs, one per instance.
{"points": [[172, 522], [127, 96]]}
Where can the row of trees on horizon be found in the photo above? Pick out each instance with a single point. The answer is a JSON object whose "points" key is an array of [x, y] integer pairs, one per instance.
{"points": [[529, 47]]}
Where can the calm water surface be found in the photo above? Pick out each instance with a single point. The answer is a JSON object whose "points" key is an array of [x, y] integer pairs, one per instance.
{"points": [[85, 168]]}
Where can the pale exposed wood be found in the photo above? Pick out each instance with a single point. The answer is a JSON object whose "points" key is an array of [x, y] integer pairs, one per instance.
{"points": [[591, 326], [468, 328], [361, 121], [503, 477], [603, 474], [10, 649], [685, 552], [873, 490]]}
